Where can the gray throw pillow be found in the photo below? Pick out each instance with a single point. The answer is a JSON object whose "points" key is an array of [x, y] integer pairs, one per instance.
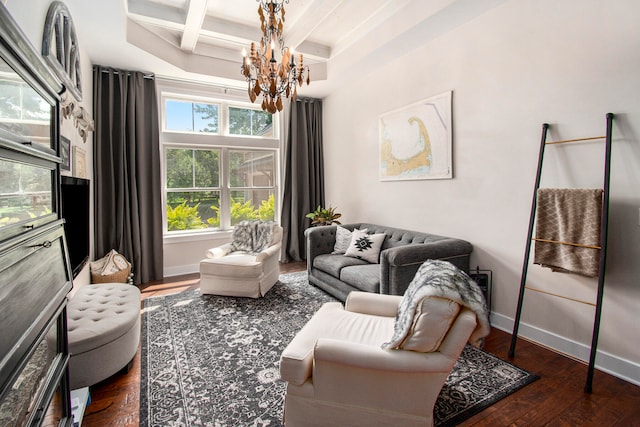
{"points": [[343, 238]]}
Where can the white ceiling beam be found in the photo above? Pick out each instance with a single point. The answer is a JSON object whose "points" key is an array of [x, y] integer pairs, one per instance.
{"points": [[216, 28], [197, 10], [156, 13], [227, 54], [313, 50], [310, 19]]}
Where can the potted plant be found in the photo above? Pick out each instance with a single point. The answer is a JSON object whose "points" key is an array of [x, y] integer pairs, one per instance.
{"points": [[324, 216]]}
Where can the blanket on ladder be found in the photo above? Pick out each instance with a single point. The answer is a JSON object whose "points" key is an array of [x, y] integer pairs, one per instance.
{"points": [[436, 278], [568, 222]]}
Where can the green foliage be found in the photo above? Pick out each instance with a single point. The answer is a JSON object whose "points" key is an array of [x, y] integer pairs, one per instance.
{"points": [[266, 211], [188, 168], [214, 221], [324, 216], [241, 211], [184, 217]]}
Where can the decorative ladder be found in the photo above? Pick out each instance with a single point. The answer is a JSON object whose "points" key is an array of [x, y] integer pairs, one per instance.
{"points": [[602, 247]]}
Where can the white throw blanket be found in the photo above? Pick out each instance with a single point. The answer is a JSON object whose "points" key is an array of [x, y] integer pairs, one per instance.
{"points": [[442, 279], [252, 236]]}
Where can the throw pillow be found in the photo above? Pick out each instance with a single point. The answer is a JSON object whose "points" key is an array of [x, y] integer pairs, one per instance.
{"points": [[242, 236], [365, 246], [252, 236], [431, 323], [263, 235], [343, 239]]}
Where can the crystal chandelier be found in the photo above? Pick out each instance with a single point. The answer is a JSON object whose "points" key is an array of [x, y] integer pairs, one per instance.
{"points": [[270, 67]]}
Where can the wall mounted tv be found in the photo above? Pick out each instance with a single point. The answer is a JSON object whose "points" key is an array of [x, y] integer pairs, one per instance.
{"points": [[75, 193]]}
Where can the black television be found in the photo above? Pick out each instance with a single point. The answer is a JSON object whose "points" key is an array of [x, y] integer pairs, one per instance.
{"points": [[75, 193]]}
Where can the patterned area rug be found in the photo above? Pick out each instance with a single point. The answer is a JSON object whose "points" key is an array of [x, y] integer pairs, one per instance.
{"points": [[213, 361]]}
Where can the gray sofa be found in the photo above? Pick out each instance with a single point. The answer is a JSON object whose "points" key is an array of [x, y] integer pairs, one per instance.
{"points": [[402, 252]]}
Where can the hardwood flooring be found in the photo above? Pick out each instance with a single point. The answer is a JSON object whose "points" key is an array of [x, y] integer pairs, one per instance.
{"points": [[556, 399]]}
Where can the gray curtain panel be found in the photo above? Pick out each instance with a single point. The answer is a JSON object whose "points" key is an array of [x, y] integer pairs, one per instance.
{"points": [[126, 164], [303, 174]]}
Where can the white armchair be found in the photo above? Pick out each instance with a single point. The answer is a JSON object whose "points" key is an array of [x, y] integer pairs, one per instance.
{"points": [[239, 273], [338, 374]]}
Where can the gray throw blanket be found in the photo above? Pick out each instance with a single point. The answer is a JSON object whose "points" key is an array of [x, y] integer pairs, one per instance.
{"points": [[252, 236], [572, 216], [442, 279]]}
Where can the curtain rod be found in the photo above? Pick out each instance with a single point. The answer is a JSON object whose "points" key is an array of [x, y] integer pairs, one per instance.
{"points": [[229, 88], [104, 69]]}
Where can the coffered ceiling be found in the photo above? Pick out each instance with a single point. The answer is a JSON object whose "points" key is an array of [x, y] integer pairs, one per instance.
{"points": [[202, 40]]}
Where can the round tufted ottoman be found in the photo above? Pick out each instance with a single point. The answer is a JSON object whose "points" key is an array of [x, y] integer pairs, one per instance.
{"points": [[103, 323]]}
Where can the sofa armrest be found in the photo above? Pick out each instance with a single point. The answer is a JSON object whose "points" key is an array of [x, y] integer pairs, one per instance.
{"points": [[220, 251], [329, 351], [373, 304], [320, 240], [367, 375], [418, 253], [273, 250], [399, 264]]}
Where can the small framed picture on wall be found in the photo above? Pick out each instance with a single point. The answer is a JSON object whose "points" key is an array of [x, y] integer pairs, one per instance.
{"points": [[79, 163], [65, 153]]}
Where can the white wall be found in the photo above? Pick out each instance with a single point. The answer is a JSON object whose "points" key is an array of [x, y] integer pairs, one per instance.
{"points": [[30, 16], [519, 65]]}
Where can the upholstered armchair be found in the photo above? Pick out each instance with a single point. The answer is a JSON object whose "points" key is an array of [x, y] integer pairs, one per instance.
{"points": [[338, 374], [234, 270]]}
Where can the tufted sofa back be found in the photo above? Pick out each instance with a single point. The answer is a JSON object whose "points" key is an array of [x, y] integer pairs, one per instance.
{"points": [[396, 236]]}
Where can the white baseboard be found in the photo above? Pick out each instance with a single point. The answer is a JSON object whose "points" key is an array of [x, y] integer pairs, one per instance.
{"points": [[180, 270], [606, 362]]}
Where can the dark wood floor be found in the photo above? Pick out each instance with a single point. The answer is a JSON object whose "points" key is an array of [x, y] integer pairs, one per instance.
{"points": [[556, 399]]}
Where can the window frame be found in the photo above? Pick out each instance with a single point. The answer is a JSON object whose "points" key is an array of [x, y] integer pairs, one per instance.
{"points": [[223, 141]]}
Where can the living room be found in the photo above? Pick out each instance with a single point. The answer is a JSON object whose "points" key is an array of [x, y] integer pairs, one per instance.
{"points": [[510, 66]]}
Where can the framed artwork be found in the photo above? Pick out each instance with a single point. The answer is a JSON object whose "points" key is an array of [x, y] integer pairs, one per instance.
{"points": [[65, 153], [79, 162], [416, 141]]}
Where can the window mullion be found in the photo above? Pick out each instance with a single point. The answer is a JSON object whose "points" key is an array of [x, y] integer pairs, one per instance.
{"points": [[193, 168], [225, 196]]}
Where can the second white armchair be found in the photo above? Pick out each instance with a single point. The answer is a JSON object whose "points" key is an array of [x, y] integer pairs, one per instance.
{"points": [[242, 273]]}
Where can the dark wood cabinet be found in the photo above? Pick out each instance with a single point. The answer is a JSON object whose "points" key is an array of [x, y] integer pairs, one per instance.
{"points": [[35, 273]]}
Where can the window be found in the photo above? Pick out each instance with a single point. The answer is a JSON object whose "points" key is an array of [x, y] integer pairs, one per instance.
{"points": [[251, 185], [185, 116], [192, 188], [220, 164], [243, 121]]}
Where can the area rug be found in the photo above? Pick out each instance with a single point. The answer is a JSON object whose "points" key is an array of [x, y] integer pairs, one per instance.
{"points": [[213, 361]]}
